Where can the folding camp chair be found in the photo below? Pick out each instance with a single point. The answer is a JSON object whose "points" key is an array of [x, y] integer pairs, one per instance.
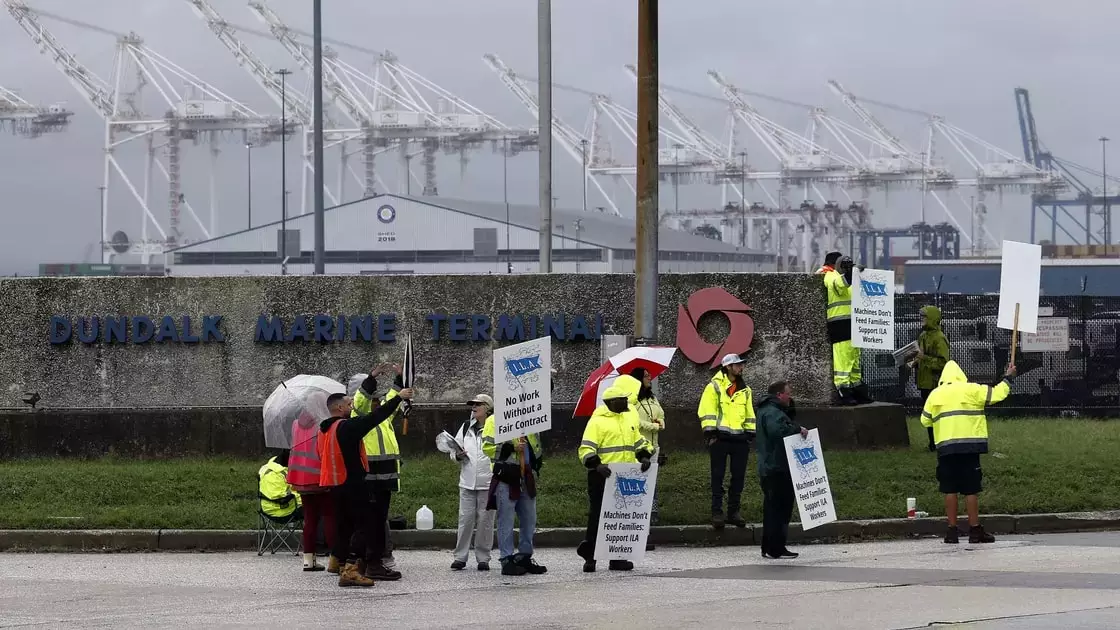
{"points": [[275, 534]]}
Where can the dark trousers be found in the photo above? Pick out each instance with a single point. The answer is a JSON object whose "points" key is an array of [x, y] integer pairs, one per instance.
{"points": [[596, 485], [379, 520], [777, 509], [352, 511], [720, 452], [929, 430]]}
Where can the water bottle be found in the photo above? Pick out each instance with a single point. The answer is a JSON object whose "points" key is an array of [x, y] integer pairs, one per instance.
{"points": [[911, 507], [424, 518]]}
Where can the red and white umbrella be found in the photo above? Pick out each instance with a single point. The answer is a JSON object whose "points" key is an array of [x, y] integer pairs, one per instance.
{"points": [[654, 359]]}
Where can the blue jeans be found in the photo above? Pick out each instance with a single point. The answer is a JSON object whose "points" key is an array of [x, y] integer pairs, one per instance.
{"points": [[526, 510]]}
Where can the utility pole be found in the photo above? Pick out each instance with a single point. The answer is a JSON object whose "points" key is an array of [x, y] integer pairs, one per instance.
{"points": [[922, 223], [544, 133], [317, 78], [743, 201], [283, 72], [505, 199], [646, 248], [583, 152], [101, 197]]}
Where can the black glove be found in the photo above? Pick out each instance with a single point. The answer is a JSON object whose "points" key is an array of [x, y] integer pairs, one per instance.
{"points": [[662, 460], [603, 470], [646, 464], [861, 268]]}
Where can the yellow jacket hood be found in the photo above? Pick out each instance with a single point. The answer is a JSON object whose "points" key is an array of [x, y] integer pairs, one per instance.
{"points": [[952, 374], [629, 385]]}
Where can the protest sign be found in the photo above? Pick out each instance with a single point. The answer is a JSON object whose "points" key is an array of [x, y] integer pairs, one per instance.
{"points": [[522, 389], [625, 512], [1020, 275], [873, 309], [810, 480]]}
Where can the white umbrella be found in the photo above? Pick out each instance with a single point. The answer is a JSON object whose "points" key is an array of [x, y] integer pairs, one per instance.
{"points": [[302, 397]]}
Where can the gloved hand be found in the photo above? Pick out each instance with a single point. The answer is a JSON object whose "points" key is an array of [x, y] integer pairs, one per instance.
{"points": [[645, 465], [603, 470]]}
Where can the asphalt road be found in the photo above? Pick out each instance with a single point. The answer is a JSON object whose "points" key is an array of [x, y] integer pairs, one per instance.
{"points": [[1060, 581]]}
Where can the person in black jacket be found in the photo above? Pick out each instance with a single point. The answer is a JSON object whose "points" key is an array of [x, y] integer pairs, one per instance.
{"points": [[775, 423], [357, 519]]}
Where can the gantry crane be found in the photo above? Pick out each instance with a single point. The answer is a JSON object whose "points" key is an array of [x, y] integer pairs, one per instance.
{"points": [[29, 120]]}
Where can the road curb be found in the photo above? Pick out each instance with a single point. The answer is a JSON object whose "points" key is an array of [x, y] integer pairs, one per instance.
{"points": [[203, 540]]}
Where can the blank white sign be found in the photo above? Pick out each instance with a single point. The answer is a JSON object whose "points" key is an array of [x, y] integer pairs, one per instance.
{"points": [[1019, 279]]}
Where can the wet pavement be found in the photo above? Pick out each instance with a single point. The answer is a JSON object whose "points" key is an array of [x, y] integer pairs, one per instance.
{"points": [[1027, 582]]}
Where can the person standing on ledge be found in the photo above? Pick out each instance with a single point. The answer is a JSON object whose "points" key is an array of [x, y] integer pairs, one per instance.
{"points": [[847, 376], [727, 417], [955, 410], [775, 423], [933, 354], [610, 437]]}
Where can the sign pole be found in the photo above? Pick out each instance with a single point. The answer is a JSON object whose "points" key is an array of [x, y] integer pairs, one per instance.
{"points": [[1015, 334]]}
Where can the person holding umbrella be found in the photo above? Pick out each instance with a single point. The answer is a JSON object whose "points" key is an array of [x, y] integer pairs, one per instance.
{"points": [[303, 474], [610, 437], [651, 422]]}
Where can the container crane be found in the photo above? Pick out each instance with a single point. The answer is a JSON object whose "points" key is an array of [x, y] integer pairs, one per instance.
{"points": [[30, 120]]}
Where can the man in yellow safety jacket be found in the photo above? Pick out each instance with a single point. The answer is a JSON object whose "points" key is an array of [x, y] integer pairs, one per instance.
{"points": [[830, 260], [727, 417], [278, 500], [846, 374], [955, 410], [384, 456], [612, 436]]}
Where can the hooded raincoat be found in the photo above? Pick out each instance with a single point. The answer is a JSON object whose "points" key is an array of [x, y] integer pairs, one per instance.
{"points": [[955, 411], [935, 349]]}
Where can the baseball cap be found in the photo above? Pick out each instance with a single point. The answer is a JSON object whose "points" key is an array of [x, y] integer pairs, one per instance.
{"points": [[731, 359], [481, 399]]}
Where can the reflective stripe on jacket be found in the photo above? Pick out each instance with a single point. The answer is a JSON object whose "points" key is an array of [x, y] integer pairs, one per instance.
{"points": [[382, 450], [726, 414], [332, 466], [612, 438], [955, 410], [839, 297], [303, 462], [274, 489]]}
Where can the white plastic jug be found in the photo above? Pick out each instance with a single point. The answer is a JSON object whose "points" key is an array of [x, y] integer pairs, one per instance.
{"points": [[424, 518]]}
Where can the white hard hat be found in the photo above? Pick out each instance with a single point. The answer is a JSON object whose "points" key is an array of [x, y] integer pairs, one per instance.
{"points": [[730, 359]]}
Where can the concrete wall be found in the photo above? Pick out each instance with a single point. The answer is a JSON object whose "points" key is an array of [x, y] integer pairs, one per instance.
{"points": [[788, 313]]}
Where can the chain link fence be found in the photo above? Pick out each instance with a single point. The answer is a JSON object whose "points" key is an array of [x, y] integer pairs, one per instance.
{"points": [[1085, 379]]}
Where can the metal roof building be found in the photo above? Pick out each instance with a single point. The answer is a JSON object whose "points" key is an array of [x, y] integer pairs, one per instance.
{"points": [[401, 234]]}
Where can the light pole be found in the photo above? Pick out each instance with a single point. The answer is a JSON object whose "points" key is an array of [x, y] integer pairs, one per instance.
{"points": [[583, 152], [249, 179], [646, 243], [677, 179], [743, 202], [972, 225], [101, 199], [317, 89], [283, 72], [505, 199], [1104, 194], [544, 100]]}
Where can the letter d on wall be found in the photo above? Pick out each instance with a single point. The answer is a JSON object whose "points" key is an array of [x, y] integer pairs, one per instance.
{"points": [[61, 329]]}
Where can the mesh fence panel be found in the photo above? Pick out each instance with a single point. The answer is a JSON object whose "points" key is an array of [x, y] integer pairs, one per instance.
{"points": [[1084, 378]]}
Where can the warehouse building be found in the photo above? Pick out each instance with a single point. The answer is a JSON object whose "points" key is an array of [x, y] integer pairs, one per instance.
{"points": [[398, 234]]}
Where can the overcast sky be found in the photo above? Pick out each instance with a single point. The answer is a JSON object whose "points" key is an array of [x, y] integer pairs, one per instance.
{"points": [[958, 58]]}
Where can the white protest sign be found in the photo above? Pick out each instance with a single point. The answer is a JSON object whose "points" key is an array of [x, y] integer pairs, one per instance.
{"points": [[624, 514], [1052, 336], [810, 480], [1020, 275], [522, 389], [873, 309]]}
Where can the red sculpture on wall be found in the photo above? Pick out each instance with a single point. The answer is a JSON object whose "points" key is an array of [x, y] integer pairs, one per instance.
{"points": [[710, 300]]}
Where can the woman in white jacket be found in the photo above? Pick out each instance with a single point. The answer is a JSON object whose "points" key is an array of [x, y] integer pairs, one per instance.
{"points": [[474, 486]]}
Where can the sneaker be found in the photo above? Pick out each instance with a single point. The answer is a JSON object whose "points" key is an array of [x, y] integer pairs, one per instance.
{"points": [[786, 554], [389, 562], [736, 519], [350, 576], [952, 536], [621, 565], [717, 520], [769, 556], [588, 566], [382, 574], [977, 535], [310, 564], [530, 564], [483, 566], [509, 567], [458, 565]]}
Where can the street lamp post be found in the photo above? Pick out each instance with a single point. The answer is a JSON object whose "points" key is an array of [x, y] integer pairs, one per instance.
{"points": [[743, 201], [505, 200], [101, 199], [249, 179], [583, 152], [283, 72], [320, 258], [1107, 223]]}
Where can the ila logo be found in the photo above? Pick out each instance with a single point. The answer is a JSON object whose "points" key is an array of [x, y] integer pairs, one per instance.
{"points": [[712, 300]]}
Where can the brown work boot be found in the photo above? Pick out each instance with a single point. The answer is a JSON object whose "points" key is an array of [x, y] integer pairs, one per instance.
{"points": [[350, 576], [334, 566]]}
